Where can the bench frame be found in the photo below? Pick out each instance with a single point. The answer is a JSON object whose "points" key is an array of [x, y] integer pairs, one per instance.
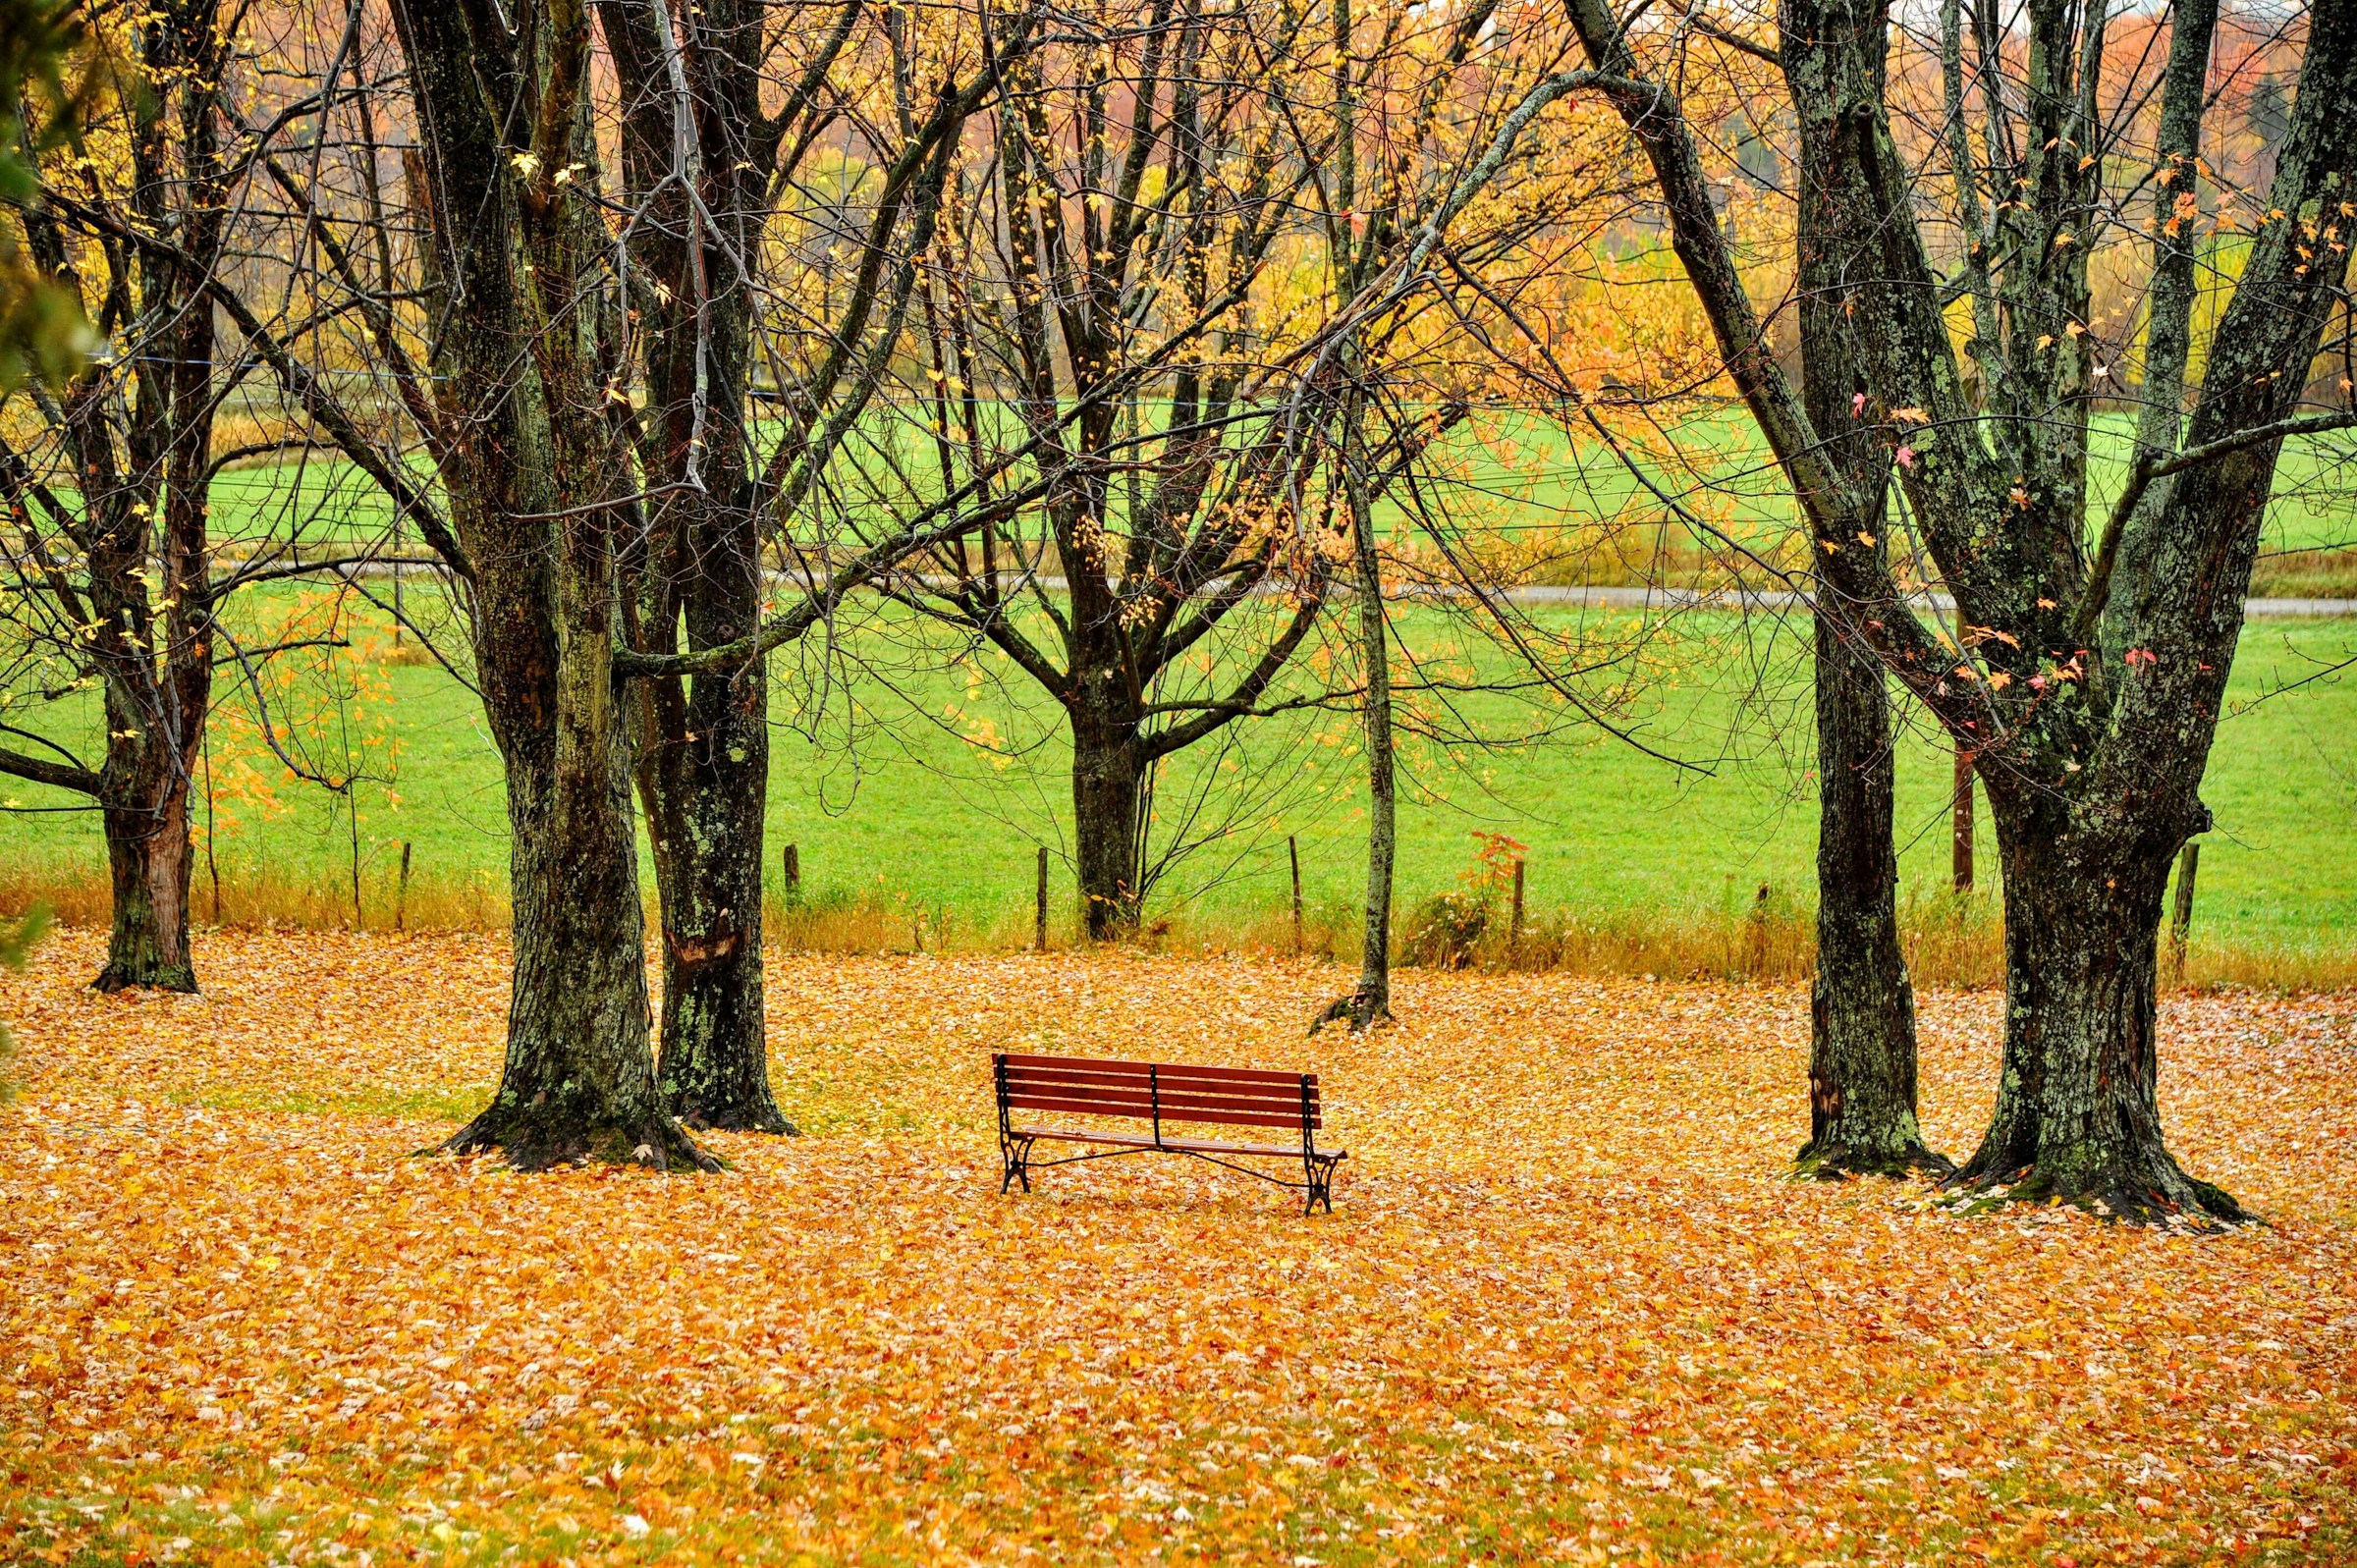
{"points": [[1015, 1143]]}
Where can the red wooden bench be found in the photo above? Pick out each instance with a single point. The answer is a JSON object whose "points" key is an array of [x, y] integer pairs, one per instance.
{"points": [[1156, 1092]]}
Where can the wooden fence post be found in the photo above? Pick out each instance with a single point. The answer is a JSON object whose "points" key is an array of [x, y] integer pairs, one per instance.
{"points": [[1039, 914], [1756, 939], [1514, 927], [1292, 853], [401, 902]]}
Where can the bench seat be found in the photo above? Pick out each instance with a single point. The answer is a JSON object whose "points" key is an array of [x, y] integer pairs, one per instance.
{"points": [[1185, 1146]]}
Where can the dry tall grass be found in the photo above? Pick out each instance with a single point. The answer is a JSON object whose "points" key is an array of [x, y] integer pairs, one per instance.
{"points": [[250, 900], [1621, 555], [1950, 942], [2306, 575]]}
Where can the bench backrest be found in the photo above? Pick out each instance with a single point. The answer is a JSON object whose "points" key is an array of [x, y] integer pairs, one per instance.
{"points": [[1156, 1090]]}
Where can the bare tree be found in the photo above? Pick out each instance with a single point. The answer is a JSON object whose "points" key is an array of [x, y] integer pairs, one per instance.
{"points": [[110, 553], [2098, 637], [545, 291], [1105, 273], [722, 203]]}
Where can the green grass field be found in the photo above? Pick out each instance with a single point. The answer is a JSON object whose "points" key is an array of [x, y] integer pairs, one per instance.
{"points": [[1532, 475], [1722, 457], [880, 783], [884, 789]]}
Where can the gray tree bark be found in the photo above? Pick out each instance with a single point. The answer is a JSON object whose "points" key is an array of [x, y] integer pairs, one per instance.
{"points": [[2089, 697], [1862, 1052], [537, 488], [697, 150], [1862, 1066]]}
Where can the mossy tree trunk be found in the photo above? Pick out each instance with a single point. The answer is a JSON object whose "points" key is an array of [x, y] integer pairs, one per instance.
{"points": [[1862, 1063], [703, 774], [536, 462], [1862, 1052], [695, 149], [1862, 1048], [2078, 1112], [2087, 683]]}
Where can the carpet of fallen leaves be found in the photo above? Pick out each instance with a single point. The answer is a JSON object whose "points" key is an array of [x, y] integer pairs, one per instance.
{"points": [[1569, 1307]]}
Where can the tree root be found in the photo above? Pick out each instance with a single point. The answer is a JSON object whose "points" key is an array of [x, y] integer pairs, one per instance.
{"points": [[771, 1120], [1839, 1162], [180, 979], [1363, 1009], [2195, 1205], [529, 1142]]}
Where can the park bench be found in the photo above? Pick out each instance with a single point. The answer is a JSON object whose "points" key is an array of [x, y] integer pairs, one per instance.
{"points": [[1156, 1092]]}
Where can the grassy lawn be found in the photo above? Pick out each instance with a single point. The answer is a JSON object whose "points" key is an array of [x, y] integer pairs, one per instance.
{"points": [[1568, 1309], [1523, 470], [890, 795], [921, 779]]}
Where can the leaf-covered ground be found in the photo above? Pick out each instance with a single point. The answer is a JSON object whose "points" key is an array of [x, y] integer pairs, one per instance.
{"points": [[1567, 1308]]}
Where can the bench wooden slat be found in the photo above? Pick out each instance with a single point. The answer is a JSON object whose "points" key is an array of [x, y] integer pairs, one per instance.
{"points": [[1262, 1075], [1265, 1107], [1171, 1098], [1125, 1072], [1173, 1095], [1143, 1111], [1127, 1094], [1193, 1146], [1209, 1090], [1172, 1103]]}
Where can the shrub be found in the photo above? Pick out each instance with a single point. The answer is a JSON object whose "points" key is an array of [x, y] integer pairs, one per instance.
{"points": [[1445, 929]]}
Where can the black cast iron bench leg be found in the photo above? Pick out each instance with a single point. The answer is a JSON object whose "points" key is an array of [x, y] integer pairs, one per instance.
{"points": [[1321, 1182], [1015, 1151]]}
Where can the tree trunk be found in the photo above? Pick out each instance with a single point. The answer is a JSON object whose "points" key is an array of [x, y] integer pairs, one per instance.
{"points": [[703, 766], [1862, 1052], [1861, 1007], [1371, 1000], [540, 487], [1109, 768], [2078, 1111], [704, 775], [1383, 834], [579, 1081], [150, 858]]}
